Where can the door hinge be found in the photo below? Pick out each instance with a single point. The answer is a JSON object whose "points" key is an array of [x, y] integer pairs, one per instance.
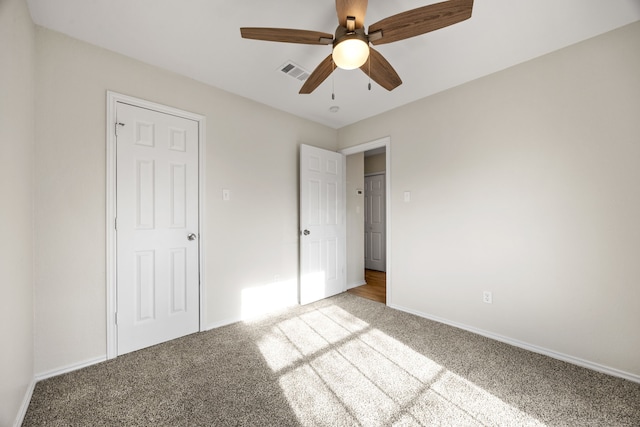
{"points": [[115, 317], [116, 126], [115, 223]]}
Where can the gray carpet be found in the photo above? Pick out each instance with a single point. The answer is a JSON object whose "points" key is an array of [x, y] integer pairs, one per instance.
{"points": [[344, 361]]}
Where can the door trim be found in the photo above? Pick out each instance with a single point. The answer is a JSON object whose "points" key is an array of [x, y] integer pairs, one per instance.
{"points": [[112, 99], [360, 148]]}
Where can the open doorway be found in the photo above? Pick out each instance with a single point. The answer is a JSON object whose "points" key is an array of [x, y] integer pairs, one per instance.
{"points": [[375, 287], [368, 233], [374, 211]]}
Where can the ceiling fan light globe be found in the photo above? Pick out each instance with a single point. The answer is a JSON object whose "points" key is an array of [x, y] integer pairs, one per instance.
{"points": [[350, 54]]}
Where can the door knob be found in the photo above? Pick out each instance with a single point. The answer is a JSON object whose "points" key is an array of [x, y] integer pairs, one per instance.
{"points": [[306, 232], [191, 236]]}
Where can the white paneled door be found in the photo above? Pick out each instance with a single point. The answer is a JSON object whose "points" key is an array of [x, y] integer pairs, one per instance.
{"points": [[374, 223], [156, 227], [322, 224]]}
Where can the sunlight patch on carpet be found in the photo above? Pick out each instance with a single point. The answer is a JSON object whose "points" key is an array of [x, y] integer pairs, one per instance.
{"points": [[335, 369]]}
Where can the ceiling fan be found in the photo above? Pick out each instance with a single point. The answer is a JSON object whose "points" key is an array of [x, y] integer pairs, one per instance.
{"points": [[351, 44]]}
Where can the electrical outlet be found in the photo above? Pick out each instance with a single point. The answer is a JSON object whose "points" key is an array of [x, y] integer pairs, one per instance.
{"points": [[487, 297]]}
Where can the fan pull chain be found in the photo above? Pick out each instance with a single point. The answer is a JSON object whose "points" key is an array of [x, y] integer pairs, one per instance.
{"points": [[369, 72], [333, 81]]}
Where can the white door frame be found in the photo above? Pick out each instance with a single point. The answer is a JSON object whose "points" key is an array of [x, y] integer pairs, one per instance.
{"points": [[381, 142], [112, 99]]}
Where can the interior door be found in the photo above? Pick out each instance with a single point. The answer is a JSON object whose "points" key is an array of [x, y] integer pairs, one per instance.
{"points": [[322, 224], [156, 227], [374, 223]]}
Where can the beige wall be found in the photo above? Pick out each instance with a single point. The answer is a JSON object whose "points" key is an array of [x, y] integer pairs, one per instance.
{"points": [[355, 220], [375, 163], [252, 150], [16, 214], [525, 183]]}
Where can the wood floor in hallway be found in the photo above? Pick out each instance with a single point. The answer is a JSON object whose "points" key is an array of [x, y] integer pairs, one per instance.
{"points": [[376, 287]]}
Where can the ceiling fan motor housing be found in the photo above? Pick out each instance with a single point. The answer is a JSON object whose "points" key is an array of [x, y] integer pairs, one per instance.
{"points": [[350, 48]]}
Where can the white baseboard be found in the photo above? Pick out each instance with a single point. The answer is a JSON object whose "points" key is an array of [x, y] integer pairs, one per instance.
{"points": [[69, 368], [356, 284], [25, 404], [524, 345], [221, 323]]}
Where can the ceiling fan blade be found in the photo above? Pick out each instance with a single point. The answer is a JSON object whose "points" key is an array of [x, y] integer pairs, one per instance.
{"points": [[319, 75], [355, 8], [421, 20], [286, 35], [381, 71]]}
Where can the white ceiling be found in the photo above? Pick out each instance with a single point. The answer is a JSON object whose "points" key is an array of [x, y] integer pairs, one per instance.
{"points": [[201, 39]]}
